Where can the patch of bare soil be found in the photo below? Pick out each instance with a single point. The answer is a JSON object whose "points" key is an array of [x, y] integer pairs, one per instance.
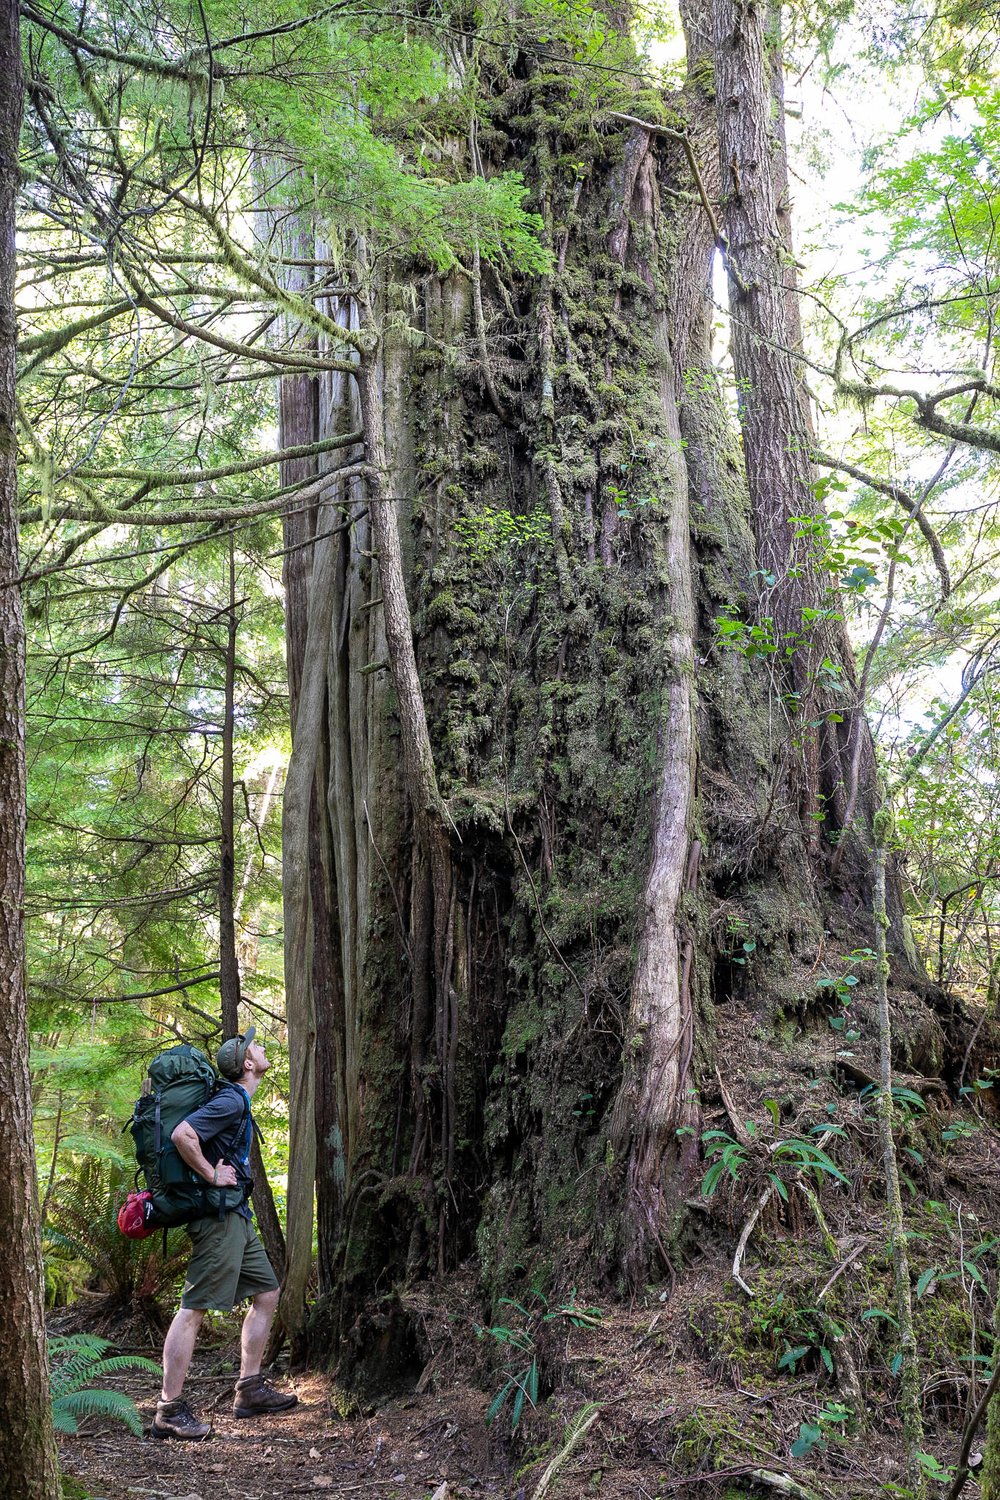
{"points": [[412, 1449]]}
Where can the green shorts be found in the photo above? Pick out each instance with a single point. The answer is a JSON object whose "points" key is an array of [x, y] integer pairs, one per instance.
{"points": [[228, 1264]]}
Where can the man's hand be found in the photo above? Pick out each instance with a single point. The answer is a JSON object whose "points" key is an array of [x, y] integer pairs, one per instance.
{"points": [[225, 1175]]}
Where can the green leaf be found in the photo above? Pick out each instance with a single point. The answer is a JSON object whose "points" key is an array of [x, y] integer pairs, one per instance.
{"points": [[496, 1405], [79, 1404], [925, 1279], [810, 1437], [710, 1181], [878, 1312], [975, 1273]]}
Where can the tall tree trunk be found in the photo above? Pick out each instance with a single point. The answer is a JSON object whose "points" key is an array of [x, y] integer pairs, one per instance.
{"points": [[28, 1466], [815, 682], [298, 855], [552, 796], [322, 1037], [827, 744], [229, 968], [773, 405], [651, 1104]]}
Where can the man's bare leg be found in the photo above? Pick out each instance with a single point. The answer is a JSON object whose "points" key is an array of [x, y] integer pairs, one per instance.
{"points": [[178, 1348], [256, 1327]]}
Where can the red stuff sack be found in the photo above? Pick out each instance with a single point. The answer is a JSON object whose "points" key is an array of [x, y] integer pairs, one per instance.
{"points": [[134, 1216]]}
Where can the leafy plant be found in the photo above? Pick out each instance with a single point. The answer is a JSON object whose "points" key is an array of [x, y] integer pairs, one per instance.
{"points": [[519, 1387], [907, 1101], [830, 1423], [76, 1361], [932, 1469], [802, 1330], [959, 1130], [730, 1157], [801, 1154], [838, 986], [520, 1380]]}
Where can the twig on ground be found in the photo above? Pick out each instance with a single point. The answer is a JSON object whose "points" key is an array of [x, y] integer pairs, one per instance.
{"points": [[849, 1260]]}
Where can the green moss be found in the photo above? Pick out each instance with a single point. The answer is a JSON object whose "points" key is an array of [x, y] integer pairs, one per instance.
{"points": [[545, 674], [702, 76], [705, 1440]]}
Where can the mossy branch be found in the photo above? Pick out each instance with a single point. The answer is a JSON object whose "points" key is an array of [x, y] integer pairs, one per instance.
{"points": [[290, 302], [155, 479], [198, 515]]}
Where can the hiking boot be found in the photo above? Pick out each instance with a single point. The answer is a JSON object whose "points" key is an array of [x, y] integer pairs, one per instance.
{"points": [[257, 1397], [175, 1419]]}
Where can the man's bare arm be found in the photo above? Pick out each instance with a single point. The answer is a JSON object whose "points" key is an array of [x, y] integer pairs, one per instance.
{"points": [[188, 1145]]}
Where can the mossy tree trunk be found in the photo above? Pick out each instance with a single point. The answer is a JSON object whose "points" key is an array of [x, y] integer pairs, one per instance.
{"points": [[534, 834]]}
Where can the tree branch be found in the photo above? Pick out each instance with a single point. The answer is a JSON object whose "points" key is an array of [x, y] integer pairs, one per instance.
{"points": [[912, 507]]}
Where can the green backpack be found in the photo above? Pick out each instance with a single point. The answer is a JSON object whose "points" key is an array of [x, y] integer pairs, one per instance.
{"points": [[180, 1081]]}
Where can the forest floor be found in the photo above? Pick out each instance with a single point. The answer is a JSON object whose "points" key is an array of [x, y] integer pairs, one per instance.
{"points": [[664, 1421], [780, 1380], [406, 1450]]}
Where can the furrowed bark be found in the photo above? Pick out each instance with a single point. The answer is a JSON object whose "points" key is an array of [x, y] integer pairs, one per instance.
{"points": [[29, 1468], [229, 968], [300, 1002], [773, 404], [314, 985], [434, 1018], [766, 332]]}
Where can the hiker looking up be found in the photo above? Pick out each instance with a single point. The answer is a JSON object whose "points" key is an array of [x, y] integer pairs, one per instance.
{"points": [[228, 1262]]}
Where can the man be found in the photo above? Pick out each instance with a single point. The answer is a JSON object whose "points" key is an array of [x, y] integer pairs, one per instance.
{"points": [[228, 1263]]}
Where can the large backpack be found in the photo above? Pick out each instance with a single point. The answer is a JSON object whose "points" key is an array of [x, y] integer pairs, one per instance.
{"points": [[180, 1081]]}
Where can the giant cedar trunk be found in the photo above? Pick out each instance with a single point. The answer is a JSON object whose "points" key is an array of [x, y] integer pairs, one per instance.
{"points": [[537, 961], [28, 1465]]}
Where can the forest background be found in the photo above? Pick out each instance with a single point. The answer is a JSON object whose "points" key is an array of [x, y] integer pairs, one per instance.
{"points": [[245, 246]]}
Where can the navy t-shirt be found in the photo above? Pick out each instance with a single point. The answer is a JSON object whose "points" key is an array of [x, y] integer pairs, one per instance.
{"points": [[217, 1126]]}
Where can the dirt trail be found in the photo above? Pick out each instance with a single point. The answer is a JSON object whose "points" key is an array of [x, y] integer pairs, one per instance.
{"points": [[407, 1451]]}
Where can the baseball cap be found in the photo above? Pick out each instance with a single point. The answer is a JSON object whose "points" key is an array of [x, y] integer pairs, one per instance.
{"points": [[230, 1056]]}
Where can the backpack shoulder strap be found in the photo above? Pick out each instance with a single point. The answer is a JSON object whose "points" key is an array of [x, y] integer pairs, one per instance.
{"points": [[225, 1083]]}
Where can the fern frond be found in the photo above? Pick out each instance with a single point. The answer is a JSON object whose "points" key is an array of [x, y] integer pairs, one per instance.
{"points": [[77, 1404], [119, 1364]]}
